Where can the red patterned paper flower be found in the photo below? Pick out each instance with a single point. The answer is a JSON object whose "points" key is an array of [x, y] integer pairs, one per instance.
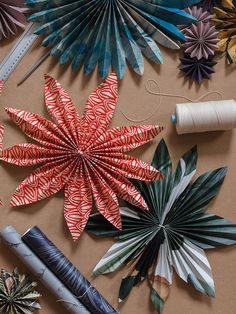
{"points": [[81, 155], [1, 86]]}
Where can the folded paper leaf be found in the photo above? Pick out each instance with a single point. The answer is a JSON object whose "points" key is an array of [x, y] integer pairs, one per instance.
{"points": [[11, 17], [172, 234], [110, 32], [81, 155], [225, 22]]}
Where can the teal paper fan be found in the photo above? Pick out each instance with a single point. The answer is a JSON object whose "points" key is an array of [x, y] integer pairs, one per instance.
{"points": [[109, 32], [172, 235]]}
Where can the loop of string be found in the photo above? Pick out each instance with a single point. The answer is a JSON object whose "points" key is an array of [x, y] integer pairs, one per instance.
{"points": [[157, 92], [85, 292], [78, 297]]}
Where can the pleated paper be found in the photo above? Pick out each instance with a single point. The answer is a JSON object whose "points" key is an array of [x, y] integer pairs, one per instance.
{"points": [[91, 32]]}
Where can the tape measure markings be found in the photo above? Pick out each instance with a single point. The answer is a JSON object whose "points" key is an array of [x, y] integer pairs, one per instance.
{"points": [[17, 53]]}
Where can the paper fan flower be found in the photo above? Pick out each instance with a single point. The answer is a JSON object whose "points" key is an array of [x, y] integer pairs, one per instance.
{"points": [[202, 40], [208, 5], [172, 234], [111, 32], [81, 155], [17, 293], [199, 14], [197, 70], [11, 17], [225, 22]]}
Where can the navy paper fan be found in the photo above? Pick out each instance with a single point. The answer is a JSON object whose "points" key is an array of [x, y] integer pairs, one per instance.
{"points": [[110, 32]]}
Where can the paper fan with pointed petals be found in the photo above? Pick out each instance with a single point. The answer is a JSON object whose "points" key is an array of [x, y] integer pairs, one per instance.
{"points": [[172, 234], [197, 70], [11, 17], [202, 40], [17, 293], [109, 33], [199, 14], [81, 155]]}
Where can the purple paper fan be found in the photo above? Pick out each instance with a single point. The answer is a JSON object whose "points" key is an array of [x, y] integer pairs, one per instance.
{"points": [[11, 17], [202, 40], [197, 70], [199, 13]]}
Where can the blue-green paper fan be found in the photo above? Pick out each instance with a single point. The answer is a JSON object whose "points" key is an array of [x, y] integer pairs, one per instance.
{"points": [[109, 32]]}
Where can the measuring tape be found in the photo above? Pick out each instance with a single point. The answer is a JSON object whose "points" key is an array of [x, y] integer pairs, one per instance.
{"points": [[17, 53]]}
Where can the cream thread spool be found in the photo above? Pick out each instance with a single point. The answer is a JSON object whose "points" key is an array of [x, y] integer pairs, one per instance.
{"points": [[205, 116]]}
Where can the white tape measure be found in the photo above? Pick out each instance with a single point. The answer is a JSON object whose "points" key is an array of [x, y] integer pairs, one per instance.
{"points": [[17, 53]]}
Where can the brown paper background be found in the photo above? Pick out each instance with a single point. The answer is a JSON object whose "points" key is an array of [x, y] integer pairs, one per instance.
{"points": [[215, 149]]}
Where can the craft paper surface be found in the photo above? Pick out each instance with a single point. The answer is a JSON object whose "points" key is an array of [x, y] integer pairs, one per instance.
{"points": [[67, 272], [13, 240], [81, 155], [214, 149], [11, 17], [110, 32], [172, 234]]}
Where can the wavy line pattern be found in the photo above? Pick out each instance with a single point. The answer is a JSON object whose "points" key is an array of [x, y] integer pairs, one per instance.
{"points": [[81, 155]]}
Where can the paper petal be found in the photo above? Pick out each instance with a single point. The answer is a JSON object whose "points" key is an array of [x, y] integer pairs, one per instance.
{"points": [[78, 205], [71, 153], [99, 110], [123, 31]]}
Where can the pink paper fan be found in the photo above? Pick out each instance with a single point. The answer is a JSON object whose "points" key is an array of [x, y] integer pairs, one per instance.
{"points": [[11, 17], [202, 40]]}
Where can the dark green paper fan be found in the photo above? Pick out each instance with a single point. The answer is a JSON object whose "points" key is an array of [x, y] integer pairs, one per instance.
{"points": [[172, 234]]}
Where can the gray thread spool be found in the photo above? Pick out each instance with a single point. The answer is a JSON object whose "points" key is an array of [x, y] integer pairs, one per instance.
{"points": [[205, 116]]}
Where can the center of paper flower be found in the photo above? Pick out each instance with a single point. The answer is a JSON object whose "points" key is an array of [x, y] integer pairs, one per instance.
{"points": [[201, 40], [79, 152]]}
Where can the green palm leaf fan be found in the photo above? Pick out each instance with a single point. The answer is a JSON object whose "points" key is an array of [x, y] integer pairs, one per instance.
{"points": [[172, 235]]}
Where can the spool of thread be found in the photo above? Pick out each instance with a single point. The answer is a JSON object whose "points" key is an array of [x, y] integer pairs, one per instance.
{"points": [[205, 116]]}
